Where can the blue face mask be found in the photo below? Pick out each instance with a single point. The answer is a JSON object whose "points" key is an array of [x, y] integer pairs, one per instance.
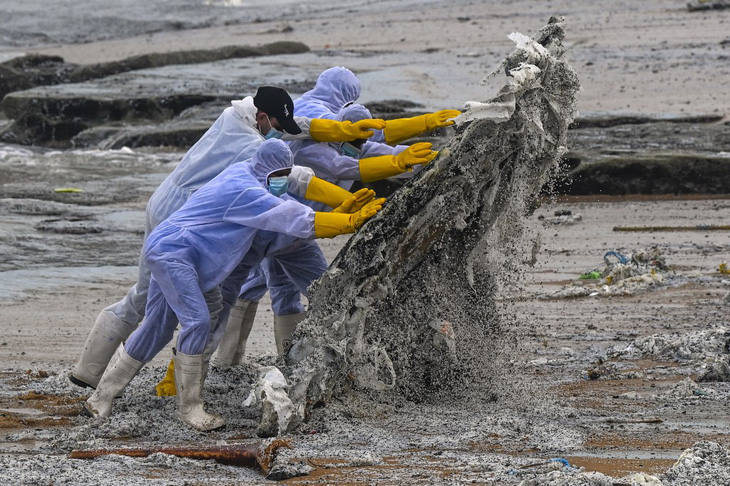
{"points": [[278, 185], [273, 133], [350, 150]]}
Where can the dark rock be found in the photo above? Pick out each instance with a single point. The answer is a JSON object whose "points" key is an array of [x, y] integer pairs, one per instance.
{"points": [[52, 115], [619, 154], [603, 120], [197, 56], [33, 70], [107, 138], [701, 5], [691, 135], [41, 119], [390, 109], [27, 72], [651, 174]]}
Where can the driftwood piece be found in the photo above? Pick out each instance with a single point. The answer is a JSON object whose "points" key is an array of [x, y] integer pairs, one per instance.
{"points": [[408, 307], [259, 455]]}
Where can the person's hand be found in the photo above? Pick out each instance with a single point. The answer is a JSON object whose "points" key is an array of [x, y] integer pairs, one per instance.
{"points": [[441, 119], [432, 155], [418, 153], [356, 202], [362, 129], [368, 211]]}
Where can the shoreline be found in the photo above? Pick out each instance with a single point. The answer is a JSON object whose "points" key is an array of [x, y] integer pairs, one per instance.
{"points": [[656, 58]]}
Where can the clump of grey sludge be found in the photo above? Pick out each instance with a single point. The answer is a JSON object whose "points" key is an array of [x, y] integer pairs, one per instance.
{"points": [[408, 308]]}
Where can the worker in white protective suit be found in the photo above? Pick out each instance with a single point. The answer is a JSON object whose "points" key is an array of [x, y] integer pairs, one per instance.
{"points": [[287, 275], [234, 137], [233, 221]]}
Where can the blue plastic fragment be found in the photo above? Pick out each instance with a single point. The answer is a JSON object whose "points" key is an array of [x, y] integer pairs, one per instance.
{"points": [[564, 462], [622, 259]]}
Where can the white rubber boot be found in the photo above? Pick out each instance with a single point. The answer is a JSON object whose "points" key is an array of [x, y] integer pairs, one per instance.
{"points": [[105, 337], [189, 378], [284, 327], [112, 382], [232, 349]]}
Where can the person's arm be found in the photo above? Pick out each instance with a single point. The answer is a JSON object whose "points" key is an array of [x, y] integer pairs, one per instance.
{"points": [[256, 208], [326, 161], [323, 130], [402, 129], [329, 225], [384, 166]]}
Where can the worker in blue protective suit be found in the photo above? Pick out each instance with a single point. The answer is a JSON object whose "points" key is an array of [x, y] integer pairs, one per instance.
{"points": [[288, 274], [234, 137], [336, 87], [233, 221]]}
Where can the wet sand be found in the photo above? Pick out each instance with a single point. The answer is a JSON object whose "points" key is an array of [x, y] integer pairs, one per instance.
{"points": [[570, 393]]}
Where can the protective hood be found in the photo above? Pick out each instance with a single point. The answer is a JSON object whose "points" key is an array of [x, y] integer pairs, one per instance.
{"points": [[335, 87], [353, 113], [246, 110], [272, 155]]}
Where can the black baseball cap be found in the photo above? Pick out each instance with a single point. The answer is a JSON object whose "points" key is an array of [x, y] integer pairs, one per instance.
{"points": [[276, 102]]}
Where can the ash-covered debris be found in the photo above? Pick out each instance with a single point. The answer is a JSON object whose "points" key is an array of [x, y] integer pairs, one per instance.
{"points": [[707, 350], [437, 252], [703, 463], [562, 216], [696, 345], [621, 275], [139, 414]]}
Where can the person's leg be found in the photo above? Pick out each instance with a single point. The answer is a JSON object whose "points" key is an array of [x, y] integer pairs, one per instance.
{"points": [[157, 329], [288, 277], [240, 301], [143, 344], [113, 325], [179, 283]]}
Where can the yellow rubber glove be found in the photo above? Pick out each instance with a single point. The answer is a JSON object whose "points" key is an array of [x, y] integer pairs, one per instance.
{"points": [[377, 168], [367, 212], [440, 119], [356, 202], [335, 131], [325, 192], [431, 156], [329, 225], [402, 129], [166, 388]]}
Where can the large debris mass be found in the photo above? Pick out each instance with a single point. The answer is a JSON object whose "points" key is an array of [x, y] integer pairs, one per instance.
{"points": [[408, 309]]}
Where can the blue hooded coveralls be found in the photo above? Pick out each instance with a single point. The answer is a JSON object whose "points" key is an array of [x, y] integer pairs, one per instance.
{"points": [[287, 275], [233, 138], [227, 226]]}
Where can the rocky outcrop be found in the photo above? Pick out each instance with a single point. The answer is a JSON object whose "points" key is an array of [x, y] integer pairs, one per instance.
{"points": [[27, 72], [51, 102], [651, 174], [632, 154]]}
